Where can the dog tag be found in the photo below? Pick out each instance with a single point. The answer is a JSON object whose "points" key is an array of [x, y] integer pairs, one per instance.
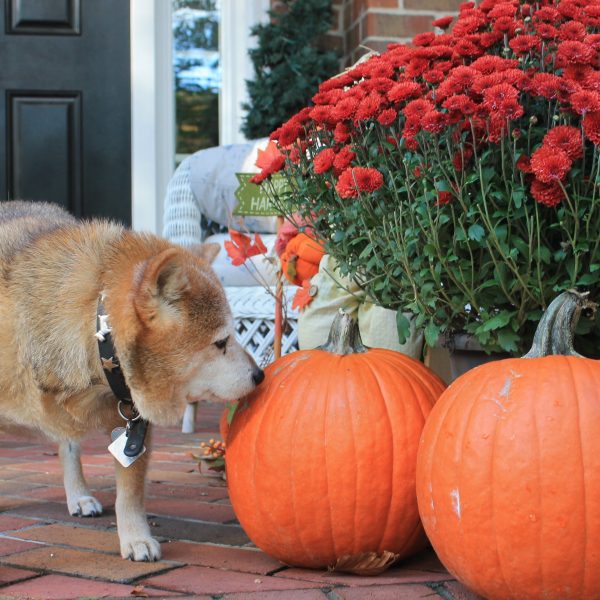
{"points": [[116, 432], [117, 448]]}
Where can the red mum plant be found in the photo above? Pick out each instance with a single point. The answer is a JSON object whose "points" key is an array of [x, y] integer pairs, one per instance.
{"points": [[458, 177]]}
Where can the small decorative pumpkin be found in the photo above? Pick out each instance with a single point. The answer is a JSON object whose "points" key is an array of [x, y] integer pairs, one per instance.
{"points": [[508, 475], [321, 457], [300, 259]]}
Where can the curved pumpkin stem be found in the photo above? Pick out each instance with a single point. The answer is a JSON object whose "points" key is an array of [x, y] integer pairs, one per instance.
{"points": [[555, 331], [344, 336]]}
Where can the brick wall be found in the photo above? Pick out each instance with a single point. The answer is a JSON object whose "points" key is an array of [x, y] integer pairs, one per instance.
{"points": [[376, 23], [359, 25]]}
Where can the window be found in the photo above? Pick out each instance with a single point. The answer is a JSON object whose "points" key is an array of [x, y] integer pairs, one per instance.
{"points": [[197, 68]]}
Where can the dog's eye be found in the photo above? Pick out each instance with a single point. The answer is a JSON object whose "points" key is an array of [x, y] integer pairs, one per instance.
{"points": [[220, 344]]}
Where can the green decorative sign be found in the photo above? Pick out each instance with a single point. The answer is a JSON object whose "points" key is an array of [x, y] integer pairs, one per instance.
{"points": [[253, 200]]}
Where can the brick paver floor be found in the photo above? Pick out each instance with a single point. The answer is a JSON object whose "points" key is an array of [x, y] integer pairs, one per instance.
{"points": [[47, 554]]}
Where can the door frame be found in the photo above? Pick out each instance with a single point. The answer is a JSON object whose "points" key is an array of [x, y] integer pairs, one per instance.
{"points": [[153, 101]]}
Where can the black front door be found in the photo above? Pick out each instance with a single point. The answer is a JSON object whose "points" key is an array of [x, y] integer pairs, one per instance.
{"points": [[65, 105]]}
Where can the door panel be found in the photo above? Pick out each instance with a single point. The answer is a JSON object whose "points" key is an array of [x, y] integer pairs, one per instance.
{"points": [[46, 17], [65, 123], [36, 123]]}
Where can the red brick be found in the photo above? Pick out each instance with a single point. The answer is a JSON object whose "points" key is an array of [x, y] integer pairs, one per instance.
{"points": [[12, 575], [460, 592], [203, 511], [9, 546], [221, 557], [400, 26], [215, 581], [57, 511], [396, 575], [11, 523], [277, 595], [449, 6], [80, 562], [78, 537], [387, 592], [59, 587], [203, 493], [382, 3], [12, 502], [15, 487]]}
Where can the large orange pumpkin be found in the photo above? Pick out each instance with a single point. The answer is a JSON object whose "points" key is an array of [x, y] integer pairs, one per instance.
{"points": [[301, 257], [508, 475], [321, 457]]}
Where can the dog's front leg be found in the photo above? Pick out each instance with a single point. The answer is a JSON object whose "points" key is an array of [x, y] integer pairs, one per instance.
{"points": [[134, 533], [80, 501]]}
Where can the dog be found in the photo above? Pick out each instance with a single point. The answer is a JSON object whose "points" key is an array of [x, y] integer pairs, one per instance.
{"points": [[171, 329]]}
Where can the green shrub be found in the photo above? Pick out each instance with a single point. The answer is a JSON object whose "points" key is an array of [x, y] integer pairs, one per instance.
{"points": [[289, 64]]}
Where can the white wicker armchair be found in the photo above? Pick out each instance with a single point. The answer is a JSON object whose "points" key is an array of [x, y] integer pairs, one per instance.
{"points": [[201, 194]]}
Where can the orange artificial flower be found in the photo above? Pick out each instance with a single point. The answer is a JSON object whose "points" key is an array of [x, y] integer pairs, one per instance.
{"points": [[303, 297], [241, 247]]}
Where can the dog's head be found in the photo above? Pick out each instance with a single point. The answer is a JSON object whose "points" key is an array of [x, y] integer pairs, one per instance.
{"points": [[178, 343]]}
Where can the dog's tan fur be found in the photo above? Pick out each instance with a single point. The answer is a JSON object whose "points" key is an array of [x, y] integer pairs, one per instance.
{"points": [[167, 309]]}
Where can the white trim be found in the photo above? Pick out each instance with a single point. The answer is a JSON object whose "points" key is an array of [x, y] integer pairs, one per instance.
{"points": [[234, 42], [152, 111]]}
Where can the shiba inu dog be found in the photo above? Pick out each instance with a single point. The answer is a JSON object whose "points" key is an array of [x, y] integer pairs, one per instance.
{"points": [[172, 334]]}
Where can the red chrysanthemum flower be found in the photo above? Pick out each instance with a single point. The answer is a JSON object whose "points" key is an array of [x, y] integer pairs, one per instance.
{"points": [[343, 159], [572, 30], [404, 91], [324, 160], [591, 127], [433, 121], [585, 102], [443, 23], [547, 31], [416, 108], [358, 179], [423, 39], [511, 110], [378, 84], [368, 107], [323, 114], [546, 85], [549, 194], [498, 95], [524, 164], [522, 44], [345, 108], [376, 67], [575, 53], [565, 138], [433, 76], [387, 117], [460, 103], [443, 198], [550, 164], [288, 134], [341, 133], [503, 9], [547, 14]]}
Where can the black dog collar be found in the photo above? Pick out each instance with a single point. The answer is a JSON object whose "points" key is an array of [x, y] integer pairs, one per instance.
{"points": [[136, 426]]}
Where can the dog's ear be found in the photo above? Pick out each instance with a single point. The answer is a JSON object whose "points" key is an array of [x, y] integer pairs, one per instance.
{"points": [[207, 252], [162, 283]]}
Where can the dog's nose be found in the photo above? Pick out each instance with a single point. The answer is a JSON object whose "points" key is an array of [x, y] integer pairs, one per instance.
{"points": [[258, 375]]}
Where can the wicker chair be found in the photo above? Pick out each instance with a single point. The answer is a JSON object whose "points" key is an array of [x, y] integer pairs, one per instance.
{"points": [[198, 205]]}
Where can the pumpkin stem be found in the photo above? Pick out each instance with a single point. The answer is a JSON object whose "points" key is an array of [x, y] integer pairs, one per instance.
{"points": [[555, 331], [344, 336]]}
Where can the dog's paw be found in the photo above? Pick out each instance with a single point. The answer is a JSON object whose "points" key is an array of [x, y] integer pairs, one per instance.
{"points": [[85, 506], [141, 549]]}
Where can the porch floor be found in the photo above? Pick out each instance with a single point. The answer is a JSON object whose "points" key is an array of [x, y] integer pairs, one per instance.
{"points": [[46, 554]]}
